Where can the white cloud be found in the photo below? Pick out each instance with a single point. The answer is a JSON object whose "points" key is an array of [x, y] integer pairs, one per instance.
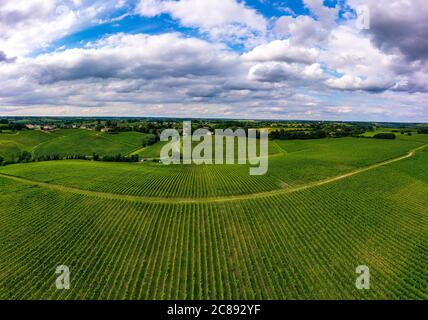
{"points": [[313, 71], [351, 82], [306, 30], [222, 20], [362, 66], [301, 30], [399, 25], [281, 50], [325, 15], [298, 75], [27, 26], [282, 71], [134, 57], [344, 110]]}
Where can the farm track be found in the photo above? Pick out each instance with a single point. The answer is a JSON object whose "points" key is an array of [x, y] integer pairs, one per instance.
{"points": [[267, 194], [35, 148], [289, 245], [136, 151]]}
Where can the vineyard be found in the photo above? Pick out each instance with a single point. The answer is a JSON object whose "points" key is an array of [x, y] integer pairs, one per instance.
{"points": [[69, 142], [146, 231]]}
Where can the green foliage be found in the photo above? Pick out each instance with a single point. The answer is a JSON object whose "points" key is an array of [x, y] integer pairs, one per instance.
{"points": [[295, 135], [24, 157], [152, 139], [9, 150], [120, 158], [88, 142], [69, 144], [298, 245], [292, 163], [5, 125], [149, 231], [385, 135], [152, 151]]}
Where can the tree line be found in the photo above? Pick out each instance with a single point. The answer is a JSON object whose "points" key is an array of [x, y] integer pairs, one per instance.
{"points": [[6, 125], [297, 135], [320, 131], [385, 135], [26, 157]]}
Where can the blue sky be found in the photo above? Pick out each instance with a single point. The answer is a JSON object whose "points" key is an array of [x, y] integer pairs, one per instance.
{"points": [[163, 23], [300, 59]]}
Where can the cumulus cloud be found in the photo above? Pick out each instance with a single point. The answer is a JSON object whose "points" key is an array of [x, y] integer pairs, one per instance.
{"points": [[325, 15], [30, 25], [222, 20], [4, 58], [206, 14], [308, 30], [351, 82], [399, 25], [238, 64], [127, 68], [301, 30], [282, 50], [277, 72], [360, 65], [135, 57]]}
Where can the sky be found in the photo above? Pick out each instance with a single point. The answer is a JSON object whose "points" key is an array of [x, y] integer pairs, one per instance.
{"points": [[350, 60]]}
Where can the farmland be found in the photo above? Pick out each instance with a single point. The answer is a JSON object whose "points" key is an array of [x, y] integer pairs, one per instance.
{"points": [[148, 231], [68, 142]]}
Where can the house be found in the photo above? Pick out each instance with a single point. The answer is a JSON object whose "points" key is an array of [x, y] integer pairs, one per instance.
{"points": [[48, 127], [32, 127]]}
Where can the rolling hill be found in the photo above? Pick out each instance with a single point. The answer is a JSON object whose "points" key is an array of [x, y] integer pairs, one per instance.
{"points": [[147, 231]]}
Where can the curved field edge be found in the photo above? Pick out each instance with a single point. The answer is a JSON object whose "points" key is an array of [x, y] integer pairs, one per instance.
{"points": [[300, 245], [66, 142], [215, 199], [319, 160]]}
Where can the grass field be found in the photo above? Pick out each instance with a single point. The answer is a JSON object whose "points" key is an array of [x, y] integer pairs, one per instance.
{"points": [[147, 231]]}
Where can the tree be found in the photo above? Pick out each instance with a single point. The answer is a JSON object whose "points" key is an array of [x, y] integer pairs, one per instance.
{"points": [[384, 135], [297, 134], [152, 139], [25, 156]]}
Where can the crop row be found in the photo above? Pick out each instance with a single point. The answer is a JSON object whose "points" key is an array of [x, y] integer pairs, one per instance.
{"points": [[299, 245]]}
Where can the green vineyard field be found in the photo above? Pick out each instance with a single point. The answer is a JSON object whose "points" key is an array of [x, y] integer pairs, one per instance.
{"points": [[66, 142], [148, 231]]}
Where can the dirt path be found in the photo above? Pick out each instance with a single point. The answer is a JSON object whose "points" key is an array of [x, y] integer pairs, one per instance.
{"points": [[136, 151], [35, 148], [113, 196]]}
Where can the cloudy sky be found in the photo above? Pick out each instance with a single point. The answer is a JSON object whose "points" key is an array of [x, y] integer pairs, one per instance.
{"points": [[289, 59]]}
